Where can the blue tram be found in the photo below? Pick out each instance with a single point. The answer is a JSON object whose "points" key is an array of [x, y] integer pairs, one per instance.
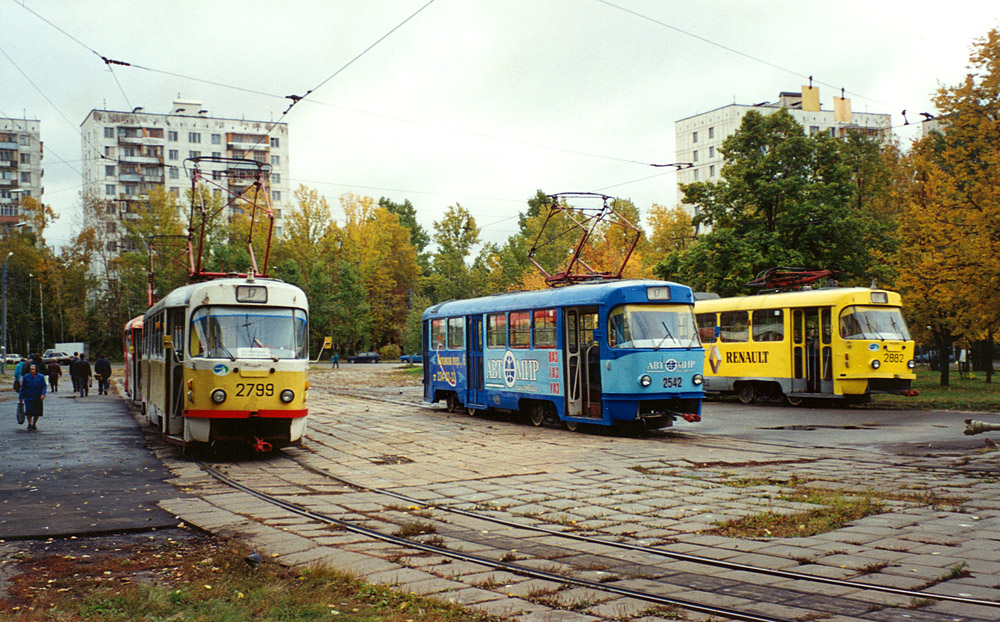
{"points": [[603, 352]]}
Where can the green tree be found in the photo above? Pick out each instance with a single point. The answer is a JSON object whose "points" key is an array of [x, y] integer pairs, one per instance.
{"points": [[419, 237], [455, 235], [786, 199]]}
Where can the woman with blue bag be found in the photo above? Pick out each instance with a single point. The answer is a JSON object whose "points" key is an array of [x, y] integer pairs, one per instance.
{"points": [[32, 394]]}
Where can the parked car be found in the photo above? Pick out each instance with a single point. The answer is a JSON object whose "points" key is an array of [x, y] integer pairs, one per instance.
{"points": [[54, 355], [364, 357], [412, 358], [13, 359]]}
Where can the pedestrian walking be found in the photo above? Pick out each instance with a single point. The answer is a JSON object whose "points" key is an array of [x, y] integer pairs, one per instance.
{"points": [[83, 374], [19, 370], [32, 394], [102, 370], [335, 361], [54, 370], [73, 369]]}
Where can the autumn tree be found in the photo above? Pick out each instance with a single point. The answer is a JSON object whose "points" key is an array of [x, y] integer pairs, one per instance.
{"points": [[785, 199], [419, 237], [455, 235], [950, 256]]}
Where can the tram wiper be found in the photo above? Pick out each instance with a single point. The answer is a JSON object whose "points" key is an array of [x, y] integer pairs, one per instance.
{"points": [[223, 347], [665, 337], [868, 323], [257, 342]]}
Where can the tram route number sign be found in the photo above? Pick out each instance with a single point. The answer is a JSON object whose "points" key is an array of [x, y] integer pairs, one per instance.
{"points": [[254, 388]]}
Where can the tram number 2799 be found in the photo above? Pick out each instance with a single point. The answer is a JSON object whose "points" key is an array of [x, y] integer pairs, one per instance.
{"points": [[672, 382], [253, 388]]}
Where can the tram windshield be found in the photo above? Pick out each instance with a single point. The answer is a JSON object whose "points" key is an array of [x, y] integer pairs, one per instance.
{"points": [[881, 323], [652, 326], [245, 332]]}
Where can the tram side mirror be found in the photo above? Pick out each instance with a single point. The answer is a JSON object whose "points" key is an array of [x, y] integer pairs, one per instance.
{"points": [[327, 343], [168, 342]]}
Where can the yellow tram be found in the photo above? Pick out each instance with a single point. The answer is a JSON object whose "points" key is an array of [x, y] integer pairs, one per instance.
{"points": [[841, 343], [227, 360]]}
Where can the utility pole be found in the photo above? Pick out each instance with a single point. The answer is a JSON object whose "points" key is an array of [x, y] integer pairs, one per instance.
{"points": [[3, 318], [41, 303]]}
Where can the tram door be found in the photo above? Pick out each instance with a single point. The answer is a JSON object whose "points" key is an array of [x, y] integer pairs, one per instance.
{"points": [[474, 360], [812, 354], [583, 369], [174, 424]]}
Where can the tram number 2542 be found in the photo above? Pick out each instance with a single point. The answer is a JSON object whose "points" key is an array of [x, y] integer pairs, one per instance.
{"points": [[253, 388], [672, 382]]}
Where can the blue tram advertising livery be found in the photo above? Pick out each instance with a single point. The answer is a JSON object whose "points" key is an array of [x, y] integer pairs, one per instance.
{"points": [[603, 352]]}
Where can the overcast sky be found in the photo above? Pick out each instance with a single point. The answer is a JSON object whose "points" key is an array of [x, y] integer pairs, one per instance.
{"points": [[473, 102]]}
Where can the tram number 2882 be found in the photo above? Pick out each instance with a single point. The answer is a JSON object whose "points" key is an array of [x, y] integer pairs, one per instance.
{"points": [[254, 388]]}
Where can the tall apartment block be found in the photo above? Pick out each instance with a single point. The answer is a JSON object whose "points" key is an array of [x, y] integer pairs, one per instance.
{"points": [[20, 167], [126, 154], [698, 138]]}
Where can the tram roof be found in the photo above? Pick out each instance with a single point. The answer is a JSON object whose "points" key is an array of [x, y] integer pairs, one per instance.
{"points": [[826, 296], [182, 296], [588, 293]]}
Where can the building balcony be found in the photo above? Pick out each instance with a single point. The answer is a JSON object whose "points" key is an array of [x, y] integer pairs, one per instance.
{"points": [[8, 182], [153, 179], [141, 159], [132, 178], [263, 145], [8, 164], [139, 140], [8, 145]]}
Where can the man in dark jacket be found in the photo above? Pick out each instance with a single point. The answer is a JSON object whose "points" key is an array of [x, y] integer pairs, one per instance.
{"points": [[81, 369], [54, 370], [32, 394], [102, 370]]}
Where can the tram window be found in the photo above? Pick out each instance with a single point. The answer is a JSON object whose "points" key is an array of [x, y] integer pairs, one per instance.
{"points": [[244, 332], [496, 330], [571, 335], [545, 328], [769, 325], [706, 327], [456, 333], [520, 329], [588, 324], [797, 327], [880, 323], [437, 334], [734, 326], [824, 315]]}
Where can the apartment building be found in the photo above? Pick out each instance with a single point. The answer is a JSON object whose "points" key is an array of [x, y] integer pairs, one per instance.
{"points": [[21, 170], [699, 137], [126, 154]]}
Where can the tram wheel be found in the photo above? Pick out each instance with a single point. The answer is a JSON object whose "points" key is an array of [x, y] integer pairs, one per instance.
{"points": [[572, 426], [452, 402], [470, 411], [794, 401], [537, 415], [746, 392]]}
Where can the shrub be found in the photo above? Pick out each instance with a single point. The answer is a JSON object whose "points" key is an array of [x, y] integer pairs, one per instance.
{"points": [[389, 352]]}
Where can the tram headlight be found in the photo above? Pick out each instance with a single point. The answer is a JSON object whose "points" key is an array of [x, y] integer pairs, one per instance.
{"points": [[876, 364], [911, 363], [287, 396], [218, 396], [645, 380], [697, 379]]}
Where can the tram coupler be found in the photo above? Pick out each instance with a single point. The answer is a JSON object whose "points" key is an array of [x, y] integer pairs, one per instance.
{"points": [[691, 417], [974, 426], [261, 445], [909, 393]]}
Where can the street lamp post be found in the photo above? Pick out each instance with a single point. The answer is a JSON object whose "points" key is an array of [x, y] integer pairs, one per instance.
{"points": [[3, 317]]}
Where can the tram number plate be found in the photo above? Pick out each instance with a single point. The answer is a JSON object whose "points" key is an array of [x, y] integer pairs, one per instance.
{"points": [[254, 388], [892, 357], [672, 382]]}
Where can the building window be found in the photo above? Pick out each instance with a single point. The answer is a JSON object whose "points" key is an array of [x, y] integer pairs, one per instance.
{"points": [[275, 160], [26, 177], [695, 155], [113, 246], [696, 174], [109, 171], [172, 154], [109, 189], [109, 152], [711, 171], [276, 178], [25, 141], [275, 143], [711, 152], [694, 137], [813, 130], [194, 154], [216, 154], [25, 158], [174, 173], [275, 195], [112, 227], [130, 191], [171, 135], [216, 139], [109, 132], [194, 137], [175, 191], [711, 132]]}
